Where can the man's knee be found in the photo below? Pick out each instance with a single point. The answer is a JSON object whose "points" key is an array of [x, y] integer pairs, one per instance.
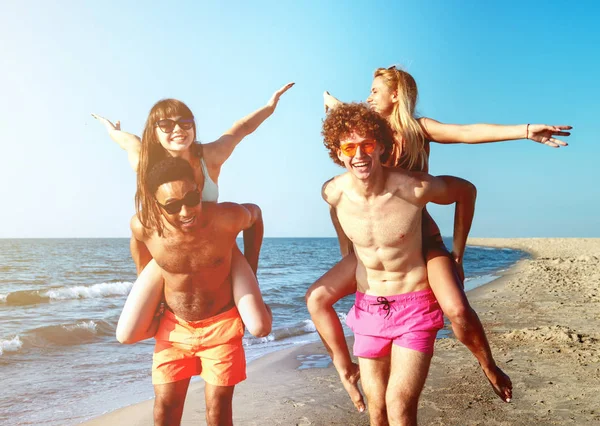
{"points": [[167, 411], [219, 409], [377, 413], [402, 406]]}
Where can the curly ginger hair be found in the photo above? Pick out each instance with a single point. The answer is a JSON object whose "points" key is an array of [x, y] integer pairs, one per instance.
{"points": [[345, 119]]}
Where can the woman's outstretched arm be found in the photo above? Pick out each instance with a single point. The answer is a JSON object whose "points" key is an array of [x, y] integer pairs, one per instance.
{"points": [[128, 141], [217, 152], [484, 133]]}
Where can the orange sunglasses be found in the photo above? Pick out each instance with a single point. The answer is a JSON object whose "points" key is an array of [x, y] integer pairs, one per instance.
{"points": [[349, 149]]}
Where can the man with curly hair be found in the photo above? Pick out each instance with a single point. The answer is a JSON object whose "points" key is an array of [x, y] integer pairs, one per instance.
{"points": [[395, 317]]}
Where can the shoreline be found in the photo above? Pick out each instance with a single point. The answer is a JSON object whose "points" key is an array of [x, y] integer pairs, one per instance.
{"points": [[549, 371]]}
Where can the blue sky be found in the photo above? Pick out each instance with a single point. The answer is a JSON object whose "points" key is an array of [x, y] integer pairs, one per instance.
{"points": [[504, 62]]}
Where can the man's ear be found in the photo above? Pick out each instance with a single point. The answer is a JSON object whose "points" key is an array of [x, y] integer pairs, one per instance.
{"points": [[339, 154]]}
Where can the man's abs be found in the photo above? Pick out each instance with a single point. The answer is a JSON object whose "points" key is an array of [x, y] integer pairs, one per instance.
{"points": [[403, 274]]}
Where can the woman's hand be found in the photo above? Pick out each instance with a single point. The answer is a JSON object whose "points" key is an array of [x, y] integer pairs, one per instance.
{"points": [[329, 101], [543, 133], [275, 98], [128, 141], [110, 127]]}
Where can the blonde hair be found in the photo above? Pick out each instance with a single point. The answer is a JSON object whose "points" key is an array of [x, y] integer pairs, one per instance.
{"points": [[409, 152]]}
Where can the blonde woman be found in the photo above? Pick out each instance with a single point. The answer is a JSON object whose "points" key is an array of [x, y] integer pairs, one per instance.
{"points": [[394, 95], [170, 130]]}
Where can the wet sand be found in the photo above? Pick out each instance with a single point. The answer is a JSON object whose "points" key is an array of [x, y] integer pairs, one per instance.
{"points": [[541, 317]]}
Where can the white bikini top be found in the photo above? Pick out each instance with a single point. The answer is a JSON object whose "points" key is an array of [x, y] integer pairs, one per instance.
{"points": [[210, 190]]}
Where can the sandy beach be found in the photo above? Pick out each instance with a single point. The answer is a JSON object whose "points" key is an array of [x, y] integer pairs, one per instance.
{"points": [[541, 317]]}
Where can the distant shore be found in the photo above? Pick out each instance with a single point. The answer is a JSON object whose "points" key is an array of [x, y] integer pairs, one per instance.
{"points": [[541, 317]]}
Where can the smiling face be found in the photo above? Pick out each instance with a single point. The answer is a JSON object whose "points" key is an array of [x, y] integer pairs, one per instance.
{"points": [[180, 203], [360, 155], [382, 99], [178, 139]]}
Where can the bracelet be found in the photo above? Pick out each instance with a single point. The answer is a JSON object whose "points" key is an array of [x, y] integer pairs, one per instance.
{"points": [[527, 132]]}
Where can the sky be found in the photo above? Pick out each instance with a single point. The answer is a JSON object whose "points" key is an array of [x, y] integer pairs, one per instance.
{"points": [[499, 62]]}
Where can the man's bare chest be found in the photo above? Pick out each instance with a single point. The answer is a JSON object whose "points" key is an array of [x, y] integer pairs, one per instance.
{"points": [[384, 222], [205, 252]]}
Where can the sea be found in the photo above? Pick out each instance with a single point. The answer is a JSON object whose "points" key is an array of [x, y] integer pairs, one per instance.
{"points": [[60, 301]]}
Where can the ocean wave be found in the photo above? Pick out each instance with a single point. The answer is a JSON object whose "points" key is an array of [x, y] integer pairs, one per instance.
{"points": [[12, 345], [282, 333], [33, 297], [120, 288], [69, 334]]}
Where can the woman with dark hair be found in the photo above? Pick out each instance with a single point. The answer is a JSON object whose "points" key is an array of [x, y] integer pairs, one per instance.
{"points": [[170, 130]]}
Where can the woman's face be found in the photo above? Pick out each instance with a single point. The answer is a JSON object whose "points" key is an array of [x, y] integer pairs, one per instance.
{"points": [[381, 99], [175, 134]]}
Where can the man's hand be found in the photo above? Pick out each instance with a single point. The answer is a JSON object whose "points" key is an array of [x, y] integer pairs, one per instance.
{"points": [[459, 268]]}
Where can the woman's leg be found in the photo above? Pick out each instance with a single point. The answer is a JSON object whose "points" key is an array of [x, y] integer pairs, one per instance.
{"points": [[255, 313], [138, 320], [338, 282], [467, 328]]}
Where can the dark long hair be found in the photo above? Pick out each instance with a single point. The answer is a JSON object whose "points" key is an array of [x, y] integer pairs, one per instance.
{"points": [[151, 153]]}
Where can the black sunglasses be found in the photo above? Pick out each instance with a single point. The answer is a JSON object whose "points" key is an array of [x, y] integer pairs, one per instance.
{"points": [[191, 199], [167, 125]]}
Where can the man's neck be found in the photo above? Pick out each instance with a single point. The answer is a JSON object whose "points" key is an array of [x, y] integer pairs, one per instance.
{"points": [[372, 186]]}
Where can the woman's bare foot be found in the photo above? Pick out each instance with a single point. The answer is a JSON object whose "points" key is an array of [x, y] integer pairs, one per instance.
{"points": [[500, 383], [350, 381]]}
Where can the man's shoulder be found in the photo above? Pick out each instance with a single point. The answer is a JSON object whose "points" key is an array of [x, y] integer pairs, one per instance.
{"points": [[227, 211], [401, 177], [333, 188], [138, 230]]}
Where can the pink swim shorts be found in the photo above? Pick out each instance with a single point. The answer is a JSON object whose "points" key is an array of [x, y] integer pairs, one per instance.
{"points": [[409, 320]]}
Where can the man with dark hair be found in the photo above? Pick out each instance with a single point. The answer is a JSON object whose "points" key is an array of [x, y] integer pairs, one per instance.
{"points": [[200, 332], [396, 316]]}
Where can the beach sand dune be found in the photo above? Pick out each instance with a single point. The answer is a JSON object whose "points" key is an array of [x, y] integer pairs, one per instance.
{"points": [[542, 320]]}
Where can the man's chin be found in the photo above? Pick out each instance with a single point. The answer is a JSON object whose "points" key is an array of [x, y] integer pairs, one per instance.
{"points": [[362, 174], [188, 225]]}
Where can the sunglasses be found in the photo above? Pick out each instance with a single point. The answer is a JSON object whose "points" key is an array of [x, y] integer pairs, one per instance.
{"points": [[191, 199], [167, 125], [349, 149]]}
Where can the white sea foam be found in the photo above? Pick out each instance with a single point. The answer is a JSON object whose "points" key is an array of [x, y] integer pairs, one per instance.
{"points": [[342, 316], [84, 325], [249, 341], [309, 326], [3, 298], [12, 345], [90, 292]]}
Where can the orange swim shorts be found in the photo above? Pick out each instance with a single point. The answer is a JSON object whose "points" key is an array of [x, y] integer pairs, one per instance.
{"points": [[211, 347]]}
